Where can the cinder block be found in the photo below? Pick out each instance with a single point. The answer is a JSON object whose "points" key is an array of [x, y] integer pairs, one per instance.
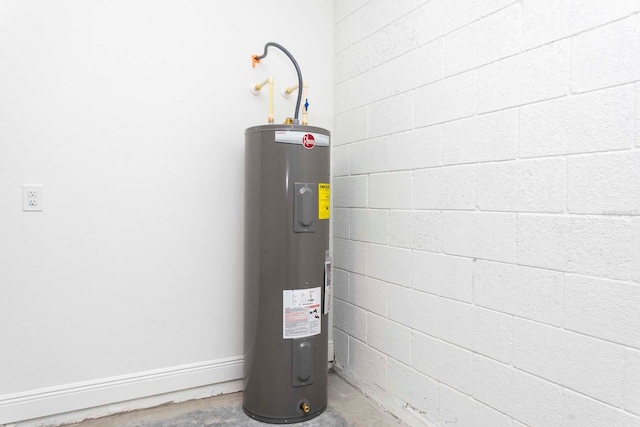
{"points": [[412, 308], [399, 381], [494, 239], [442, 361], [635, 250], [399, 304], [352, 61], [390, 190], [548, 20], [445, 100], [426, 64], [341, 284], [373, 16], [415, 149], [369, 156], [535, 75], [603, 308], [595, 121], [606, 56], [638, 115], [450, 187], [370, 225], [492, 383], [350, 127], [443, 275], [391, 115], [393, 40], [483, 41], [350, 319], [371, 86], [490, 6], [531, 293], [538, 185], [389, 337], [417, 390], [345, 8], [367, 363], [402, 7], [424, 312], [577, 244], [342, 35], [389, 264], [582, 363], [525, 397], [605, 183], [632, 381], [349, 255], [582, 411], [485, 235], [416, 230], [439, 17], [423, 393], [476, 329], [481, 138], [350, 191], [340, 160], [463, 411], [341, 347], [342, 97], [368, 293], [341, 223]]}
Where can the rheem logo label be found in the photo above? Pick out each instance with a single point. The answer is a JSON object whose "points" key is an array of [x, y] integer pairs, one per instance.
{"points": [[308, 141]]}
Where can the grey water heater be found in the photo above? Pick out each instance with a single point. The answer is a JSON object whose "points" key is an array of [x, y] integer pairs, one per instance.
{"points": [[287, 269]]}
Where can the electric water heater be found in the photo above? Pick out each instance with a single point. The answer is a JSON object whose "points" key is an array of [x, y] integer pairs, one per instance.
{"points": [[287, 272]]}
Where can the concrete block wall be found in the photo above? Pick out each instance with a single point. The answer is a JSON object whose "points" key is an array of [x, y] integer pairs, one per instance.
{"points": [[486, 170]]}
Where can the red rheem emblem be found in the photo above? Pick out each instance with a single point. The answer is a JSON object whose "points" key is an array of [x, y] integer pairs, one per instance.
{"points": [[308, 141]]}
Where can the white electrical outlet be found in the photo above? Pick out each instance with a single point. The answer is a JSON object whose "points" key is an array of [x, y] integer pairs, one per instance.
{"points": [[32, 198]]}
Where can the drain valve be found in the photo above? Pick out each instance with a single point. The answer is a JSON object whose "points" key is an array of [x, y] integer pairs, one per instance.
{"points": [[305, 407]]}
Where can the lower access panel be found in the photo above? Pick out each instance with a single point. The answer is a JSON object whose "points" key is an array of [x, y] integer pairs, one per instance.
{"points": [[287, 213], [302, 362]]}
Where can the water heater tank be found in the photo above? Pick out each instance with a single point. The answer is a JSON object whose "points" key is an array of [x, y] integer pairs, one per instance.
{"points": [[287, 268]]}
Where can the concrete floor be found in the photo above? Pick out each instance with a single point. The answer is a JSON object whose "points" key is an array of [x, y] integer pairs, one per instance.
{"points": [[346, 407]]}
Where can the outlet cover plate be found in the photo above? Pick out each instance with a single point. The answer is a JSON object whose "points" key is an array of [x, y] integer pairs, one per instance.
{"points": [[32, 198]]}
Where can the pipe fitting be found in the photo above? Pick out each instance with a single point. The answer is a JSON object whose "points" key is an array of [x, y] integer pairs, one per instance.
{"points": [[288, 91], [255, 89]]}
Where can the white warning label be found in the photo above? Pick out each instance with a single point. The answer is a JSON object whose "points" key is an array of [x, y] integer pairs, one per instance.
{"points": [[301, 313], [328, 287]]}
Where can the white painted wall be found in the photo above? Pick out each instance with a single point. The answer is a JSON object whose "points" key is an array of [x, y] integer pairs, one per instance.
{"points": [[131, 114], [487, 185]]}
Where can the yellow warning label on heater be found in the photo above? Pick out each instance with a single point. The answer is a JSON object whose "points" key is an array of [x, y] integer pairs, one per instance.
{"points": [[324, 201]]}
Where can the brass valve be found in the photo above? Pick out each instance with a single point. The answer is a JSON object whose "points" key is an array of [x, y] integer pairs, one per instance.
{"points": [[305, 407]]}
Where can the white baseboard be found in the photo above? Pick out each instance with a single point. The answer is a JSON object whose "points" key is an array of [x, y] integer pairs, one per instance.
{"points": [[107, 396], [33, 404]]}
